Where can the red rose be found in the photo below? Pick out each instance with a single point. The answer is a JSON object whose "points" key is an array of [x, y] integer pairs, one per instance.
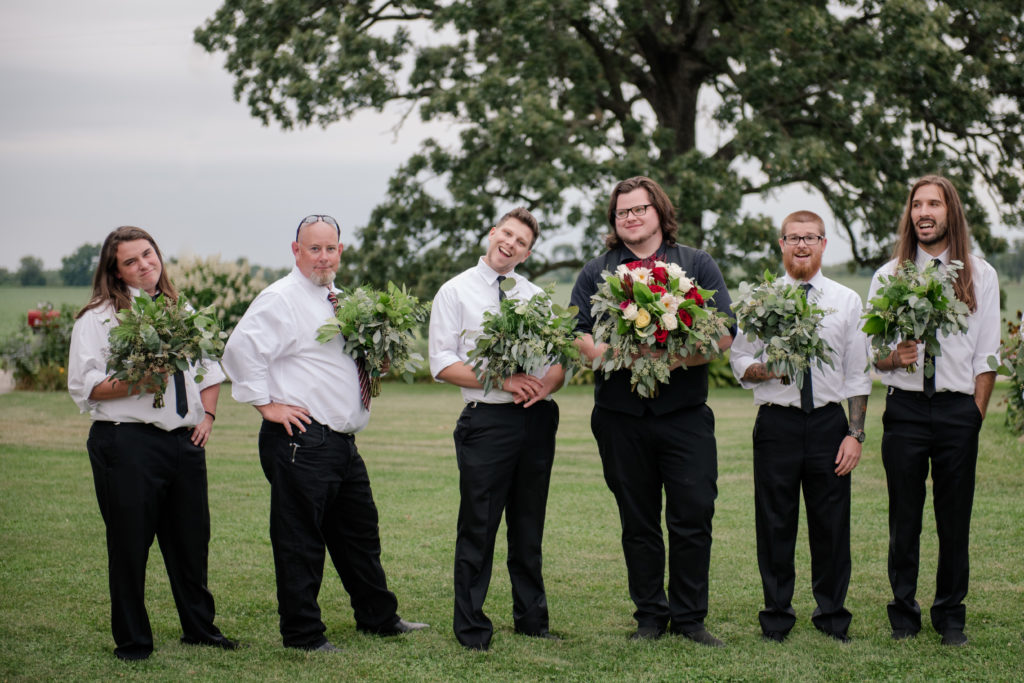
{"points": [[660, 274], [657, 289], [694, 296], [633, 265], [685, 318], [660, 335]]}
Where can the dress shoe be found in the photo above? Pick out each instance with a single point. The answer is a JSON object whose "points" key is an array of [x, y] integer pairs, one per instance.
{"points": [[703, 637], [325, 646], [954, 637], [543, 635], [132, 655], [220, 641], [400, 627], [838, 635], [903, 634], [773, 636], [647, 633]]}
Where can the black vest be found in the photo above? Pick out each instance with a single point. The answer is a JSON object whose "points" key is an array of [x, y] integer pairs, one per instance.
{"points": [[687, 387]]}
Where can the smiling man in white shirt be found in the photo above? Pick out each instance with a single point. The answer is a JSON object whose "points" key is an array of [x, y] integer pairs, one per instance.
{"points": [[803, 438], [309, 396], [933, 423], [504, 440]]}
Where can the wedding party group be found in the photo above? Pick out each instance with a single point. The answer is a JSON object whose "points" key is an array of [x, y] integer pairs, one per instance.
{"points": [[647, 315]]}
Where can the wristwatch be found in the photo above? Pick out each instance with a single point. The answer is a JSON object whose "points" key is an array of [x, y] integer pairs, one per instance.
{"points": [[858, 434]]}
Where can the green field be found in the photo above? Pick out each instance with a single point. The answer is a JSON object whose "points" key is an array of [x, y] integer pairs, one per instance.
{"points": [[54, 621], [16, 301]]}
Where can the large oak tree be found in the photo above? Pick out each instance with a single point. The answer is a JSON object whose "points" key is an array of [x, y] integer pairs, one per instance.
{"points": [[716, 99]]}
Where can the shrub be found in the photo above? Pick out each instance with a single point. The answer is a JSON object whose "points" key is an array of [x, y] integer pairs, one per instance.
{"points": [[1012, 365], [228, 287], [38, 354]]}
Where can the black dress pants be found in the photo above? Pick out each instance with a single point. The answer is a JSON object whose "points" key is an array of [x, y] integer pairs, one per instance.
{"points": [[320, 498], [942, 432], [150, 482], [641, 457], [794, 449], [505, 453]]}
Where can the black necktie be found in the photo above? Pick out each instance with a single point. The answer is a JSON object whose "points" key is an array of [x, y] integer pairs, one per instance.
{"points": [[929, 359], [807, 391], [364, 377], [180, 397], [501, 292]]}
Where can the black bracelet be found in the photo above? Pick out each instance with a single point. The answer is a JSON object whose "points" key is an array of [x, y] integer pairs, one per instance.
{"points": [[212, 416]]}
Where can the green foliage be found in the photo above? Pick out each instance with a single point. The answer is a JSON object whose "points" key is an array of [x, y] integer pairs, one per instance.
{"points": [[38, 356], [156, 338], [555, 101], [30, 273], [651, 319], [915, 304], [524, 336], [1011, 364], [76, 269], [378, 328], [781, 316], [228, 288]]}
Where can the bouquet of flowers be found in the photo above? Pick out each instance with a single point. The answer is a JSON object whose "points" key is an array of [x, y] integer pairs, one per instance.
{"points": [[155, 339], [651, 317], [524, 336], [781, 316], [1011, 364], [378, 328], [915, 304]]}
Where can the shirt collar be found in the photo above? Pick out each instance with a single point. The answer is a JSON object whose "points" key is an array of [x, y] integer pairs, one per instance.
{"points": [[488, 274], [923, 257], [817, 282]]}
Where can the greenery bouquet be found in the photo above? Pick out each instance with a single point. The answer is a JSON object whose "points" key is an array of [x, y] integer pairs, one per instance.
{"points": [[915, 304], [640, 309], [156, 338], [1011, 364], [378, 329], [780, 315], [524, 336]]}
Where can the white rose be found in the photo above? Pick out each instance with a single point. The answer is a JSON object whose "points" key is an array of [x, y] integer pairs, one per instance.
{"points": [[630, 312], [675, 270], [685, 284], [669, 321], [621, 271], [671, 303]]}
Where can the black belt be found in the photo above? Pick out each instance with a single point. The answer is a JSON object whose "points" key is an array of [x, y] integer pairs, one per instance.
{"points": [[798, 408], [919, 395]]}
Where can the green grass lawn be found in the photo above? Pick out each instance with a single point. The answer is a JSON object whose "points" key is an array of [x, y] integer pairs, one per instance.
{"points": [[16, 301], [54, 621]]}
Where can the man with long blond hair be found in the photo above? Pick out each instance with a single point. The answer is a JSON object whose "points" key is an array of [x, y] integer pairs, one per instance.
{"points": [[933, 422]]}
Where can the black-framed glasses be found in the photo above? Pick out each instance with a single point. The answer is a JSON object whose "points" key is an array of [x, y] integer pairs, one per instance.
{"points": [[638, 210], [317, 218], [809, 240]]}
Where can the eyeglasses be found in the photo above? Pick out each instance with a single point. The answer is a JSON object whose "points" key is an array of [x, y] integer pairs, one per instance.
{"points": [[638, 210], [317, 218], [809, 240]]}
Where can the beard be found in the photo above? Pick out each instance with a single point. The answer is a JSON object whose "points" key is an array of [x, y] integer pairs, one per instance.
{"points": [[323, 279], [938, 233], [803, 269]]}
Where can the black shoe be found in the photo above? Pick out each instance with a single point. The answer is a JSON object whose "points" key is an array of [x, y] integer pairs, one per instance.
{"points": [[774, 636], [647, 633], [325, 646], [703, 637], [220, 641], [903, 634], [132, 655], [400, 627], [838, 635], [954, 637], [543, 635]]}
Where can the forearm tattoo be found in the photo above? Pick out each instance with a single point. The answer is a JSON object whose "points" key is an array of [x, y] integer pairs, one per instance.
{"points": [[756, 372], [858, 408]]}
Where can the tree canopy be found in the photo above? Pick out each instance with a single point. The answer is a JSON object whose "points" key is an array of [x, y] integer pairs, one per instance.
{"points": [[554, 102], [77, 268]]}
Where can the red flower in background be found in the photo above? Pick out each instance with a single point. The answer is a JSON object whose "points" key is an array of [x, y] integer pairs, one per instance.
{"points": [[685, 318], [657, 289], [694, 296], [660, 274], [660, 335]]}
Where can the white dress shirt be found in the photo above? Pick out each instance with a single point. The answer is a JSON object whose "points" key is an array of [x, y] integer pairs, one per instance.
{"points": [[459, 306], [273, 356], [841, 328], [965, 354], [87, 367]]}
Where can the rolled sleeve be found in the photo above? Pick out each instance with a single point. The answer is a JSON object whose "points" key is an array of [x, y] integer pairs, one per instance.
{"points": [[87, 357], [444, 330], [742, 356]]}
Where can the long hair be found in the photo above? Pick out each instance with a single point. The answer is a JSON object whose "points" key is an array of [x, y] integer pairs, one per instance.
{"points": [[660, 200], [107, 287], [957, 233]]}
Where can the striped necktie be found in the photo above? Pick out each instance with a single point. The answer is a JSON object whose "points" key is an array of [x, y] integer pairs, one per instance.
{"points": [[364, 377]]}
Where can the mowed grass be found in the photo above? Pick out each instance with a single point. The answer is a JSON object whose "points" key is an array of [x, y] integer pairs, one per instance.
{"points": [[54, 609], [15, 302]]}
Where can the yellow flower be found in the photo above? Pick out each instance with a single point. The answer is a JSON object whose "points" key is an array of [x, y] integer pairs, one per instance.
{"points": [[643, 319]]}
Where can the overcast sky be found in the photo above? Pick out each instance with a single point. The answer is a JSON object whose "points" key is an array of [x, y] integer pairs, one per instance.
{"points": [[111, 115]]}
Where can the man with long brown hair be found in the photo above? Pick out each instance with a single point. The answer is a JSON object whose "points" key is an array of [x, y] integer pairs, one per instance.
{"points": [[934, 422], [148, 464], [665, 443]]}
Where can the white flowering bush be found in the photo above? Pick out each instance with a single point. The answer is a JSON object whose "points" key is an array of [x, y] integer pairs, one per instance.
{"points": [[228, 287]]}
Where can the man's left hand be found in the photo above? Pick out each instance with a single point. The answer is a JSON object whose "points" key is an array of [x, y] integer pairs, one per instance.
{"points": [[201, 432], [848, 457]]}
